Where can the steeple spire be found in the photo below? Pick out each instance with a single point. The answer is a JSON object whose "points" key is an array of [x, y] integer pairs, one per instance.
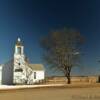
{"points": [[19, 48], [19, 43], [19, 40]]}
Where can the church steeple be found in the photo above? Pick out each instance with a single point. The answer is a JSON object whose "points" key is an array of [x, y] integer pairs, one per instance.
{"points": [[19, 43], [19, 60], [19, 48]]}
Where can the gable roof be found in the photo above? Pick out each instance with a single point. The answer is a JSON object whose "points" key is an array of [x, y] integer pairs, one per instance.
{"points": [[37, 67]]}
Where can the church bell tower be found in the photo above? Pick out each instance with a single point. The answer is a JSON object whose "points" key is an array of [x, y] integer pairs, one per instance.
{"points": [[19, 48], [19, 62]]}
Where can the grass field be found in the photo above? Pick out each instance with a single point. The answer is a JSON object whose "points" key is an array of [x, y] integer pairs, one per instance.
{"points": [[62, 93]]}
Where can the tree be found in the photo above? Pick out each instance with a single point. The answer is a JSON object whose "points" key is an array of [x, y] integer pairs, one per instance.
{"points": [[62, 50]]}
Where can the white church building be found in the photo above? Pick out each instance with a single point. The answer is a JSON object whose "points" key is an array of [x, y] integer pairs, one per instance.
{"points": [[19, 70]]}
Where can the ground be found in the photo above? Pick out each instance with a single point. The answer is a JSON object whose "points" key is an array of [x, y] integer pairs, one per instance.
{"points": [[48, 93]]}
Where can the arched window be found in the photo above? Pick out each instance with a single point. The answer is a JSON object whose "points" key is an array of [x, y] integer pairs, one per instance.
{"points": [[19, 64], [19, 50]]}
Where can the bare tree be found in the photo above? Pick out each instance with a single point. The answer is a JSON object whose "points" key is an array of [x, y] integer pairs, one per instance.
{"points": [[62, 49]]}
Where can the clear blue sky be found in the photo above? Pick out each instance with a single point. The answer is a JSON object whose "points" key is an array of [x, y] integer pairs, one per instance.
{"points": [[32, 19]]}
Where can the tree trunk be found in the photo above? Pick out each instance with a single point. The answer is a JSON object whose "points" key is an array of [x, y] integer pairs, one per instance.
{"points": [[68, 80], [67, 75]]}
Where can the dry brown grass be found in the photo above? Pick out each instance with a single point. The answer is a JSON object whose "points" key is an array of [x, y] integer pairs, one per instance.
{"points": [[67, 92]]}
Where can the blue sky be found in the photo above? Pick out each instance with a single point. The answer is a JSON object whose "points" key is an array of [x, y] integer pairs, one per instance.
{"points": [[32, 19]]}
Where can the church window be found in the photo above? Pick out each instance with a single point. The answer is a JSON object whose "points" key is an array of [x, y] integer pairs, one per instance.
{"points": [[19, 64], [19, 50], [34, 75], [19, 70]]}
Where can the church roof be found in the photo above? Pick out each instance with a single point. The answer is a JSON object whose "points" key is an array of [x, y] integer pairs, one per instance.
{"points": [[37, 67]]}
